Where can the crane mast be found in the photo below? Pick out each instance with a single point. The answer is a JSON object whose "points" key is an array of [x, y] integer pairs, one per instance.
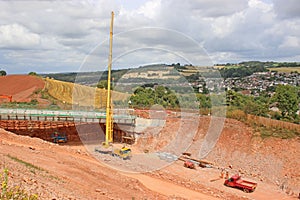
{"points": [[109, 113]]}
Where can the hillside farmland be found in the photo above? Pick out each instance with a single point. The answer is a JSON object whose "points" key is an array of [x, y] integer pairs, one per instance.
{"points": [[76, 94]]}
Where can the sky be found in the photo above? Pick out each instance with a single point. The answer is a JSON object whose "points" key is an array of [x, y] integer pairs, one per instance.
{"points": [[73, 36]]}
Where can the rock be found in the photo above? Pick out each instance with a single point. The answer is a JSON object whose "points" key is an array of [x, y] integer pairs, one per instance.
{"points": [[100, 191], [32, 148]]}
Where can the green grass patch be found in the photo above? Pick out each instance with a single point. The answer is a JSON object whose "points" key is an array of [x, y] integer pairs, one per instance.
{"points": [[276, 132], [29, 165], [265, 132], [33, 168]]}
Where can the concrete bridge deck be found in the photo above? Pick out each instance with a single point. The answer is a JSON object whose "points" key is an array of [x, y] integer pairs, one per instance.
{"points": [[41, 123], [120, 116]]}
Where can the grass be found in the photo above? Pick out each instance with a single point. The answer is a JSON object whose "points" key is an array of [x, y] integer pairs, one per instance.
{"points": [[265, 131], [29, 165], [15, 193], [285, 69], [32, 167], [276, 132]]}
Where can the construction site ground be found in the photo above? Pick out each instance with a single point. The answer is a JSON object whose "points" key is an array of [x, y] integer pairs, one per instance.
{"points": [[69, 172]]}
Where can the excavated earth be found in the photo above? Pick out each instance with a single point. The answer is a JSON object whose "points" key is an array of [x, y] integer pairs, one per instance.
{"points": [[21, 87], [69, 172]]}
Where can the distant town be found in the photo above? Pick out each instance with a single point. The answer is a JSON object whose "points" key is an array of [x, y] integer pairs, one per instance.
{"points": [[251, 85]]}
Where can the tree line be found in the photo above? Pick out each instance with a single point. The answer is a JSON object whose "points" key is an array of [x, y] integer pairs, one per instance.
{"points": [[286, 99]]}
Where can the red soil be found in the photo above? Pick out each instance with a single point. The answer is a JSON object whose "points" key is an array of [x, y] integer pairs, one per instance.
{"points": [[21, 87]]}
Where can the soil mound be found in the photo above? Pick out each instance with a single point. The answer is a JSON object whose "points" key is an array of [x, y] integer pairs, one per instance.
{"points": [[20, 87]]}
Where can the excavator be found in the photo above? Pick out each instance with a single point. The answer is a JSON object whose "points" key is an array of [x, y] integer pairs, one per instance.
{"points": [[9, 97], [124, 152]]}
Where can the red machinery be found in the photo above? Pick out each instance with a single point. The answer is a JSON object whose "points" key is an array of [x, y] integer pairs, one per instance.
{"points": [[189, 164], [237, 182], [9, 97]]}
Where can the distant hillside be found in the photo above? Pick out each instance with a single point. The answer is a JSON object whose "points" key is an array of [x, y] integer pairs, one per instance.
{"points": [[86, 78]]}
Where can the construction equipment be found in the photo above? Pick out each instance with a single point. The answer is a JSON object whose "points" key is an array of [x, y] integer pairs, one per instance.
{"points": [[9, 97], [202, 163], [59, 137], [189, 164], [109, 114], [237, 182], [124, 152]]}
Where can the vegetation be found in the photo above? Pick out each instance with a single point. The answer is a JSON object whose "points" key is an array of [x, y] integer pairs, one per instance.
{"points": [[29, 165], [3, 73], [32, 104], [265, 126], [147, 97], [282, 133], [285, 69], [241, 71], [287, 99], [87, 78], [32, 73], [15, 193]]}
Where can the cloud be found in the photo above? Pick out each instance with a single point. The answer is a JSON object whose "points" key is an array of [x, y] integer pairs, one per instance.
{"points": [[17, 37], [287, 9], [58, 35]]}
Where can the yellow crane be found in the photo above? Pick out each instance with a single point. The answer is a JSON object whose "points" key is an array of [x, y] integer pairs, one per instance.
{"points": [[124, 152], [109, 114]]}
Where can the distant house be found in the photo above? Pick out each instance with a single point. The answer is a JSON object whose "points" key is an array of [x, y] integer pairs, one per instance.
{"points": [[273, 107], [245, 92]]}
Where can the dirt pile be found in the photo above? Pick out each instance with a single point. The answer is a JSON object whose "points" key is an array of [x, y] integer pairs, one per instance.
{"points": [[21, 87]]}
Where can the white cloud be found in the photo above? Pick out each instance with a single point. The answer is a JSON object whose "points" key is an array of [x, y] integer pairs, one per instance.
{"points": [[257, 4], [287, 9], [62, 33], [290, 41], [17, 36], [150, 9]]}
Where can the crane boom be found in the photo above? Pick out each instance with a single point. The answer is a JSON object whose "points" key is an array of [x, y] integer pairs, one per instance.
{"points": [[109, 114]]}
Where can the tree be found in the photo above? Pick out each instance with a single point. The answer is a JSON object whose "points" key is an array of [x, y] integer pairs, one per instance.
{"points": [[147, 97], [32, 73], [2, 73], [102, 84], [288, 101]]}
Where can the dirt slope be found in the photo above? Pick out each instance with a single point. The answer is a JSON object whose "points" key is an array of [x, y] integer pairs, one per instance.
{"points": [[21, 87], [65, 172], [68, 172]]}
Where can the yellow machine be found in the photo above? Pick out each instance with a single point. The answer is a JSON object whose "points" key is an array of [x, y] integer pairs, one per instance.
{"points": [[124, 152], [109, 114]]}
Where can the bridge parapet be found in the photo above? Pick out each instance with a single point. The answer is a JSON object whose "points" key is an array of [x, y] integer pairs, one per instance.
{"points": [[68, 116]]}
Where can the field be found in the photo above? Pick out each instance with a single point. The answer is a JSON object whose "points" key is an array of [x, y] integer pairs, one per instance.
{"points": [[285, 69], [71, 93]]}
